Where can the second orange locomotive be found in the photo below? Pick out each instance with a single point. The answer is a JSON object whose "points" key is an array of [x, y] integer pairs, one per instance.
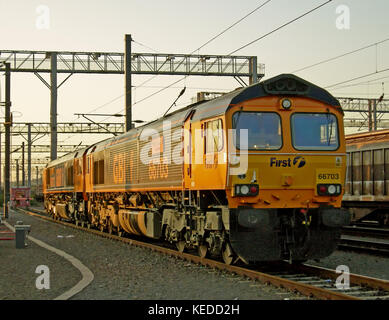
{"points": [[257, 174]]}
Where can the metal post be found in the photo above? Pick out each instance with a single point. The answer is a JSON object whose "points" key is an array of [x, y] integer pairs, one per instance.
{"points": [[375, 113], [370, 124], [7, 148], [37, 183], [127, 76], [53, 106], [253, 70], [29, 155], [23, 171], [17, 172]]}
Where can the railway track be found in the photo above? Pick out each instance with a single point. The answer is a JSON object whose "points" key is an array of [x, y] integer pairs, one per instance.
{"points": [[310, 281], [368, 239]]}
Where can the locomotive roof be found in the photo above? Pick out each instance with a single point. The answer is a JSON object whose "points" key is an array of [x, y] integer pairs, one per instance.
{"points": [[284, 84], [62, 159]]}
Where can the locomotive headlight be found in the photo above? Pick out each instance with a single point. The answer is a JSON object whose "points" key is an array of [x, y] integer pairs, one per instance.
{"points": [[244, 189], [286, 104], [331, 189]]}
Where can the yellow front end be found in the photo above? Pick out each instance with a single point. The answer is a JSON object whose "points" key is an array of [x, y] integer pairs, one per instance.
{"points": [[290, 180], [287, 177]]}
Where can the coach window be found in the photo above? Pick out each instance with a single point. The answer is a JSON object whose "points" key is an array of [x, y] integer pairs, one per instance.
{"points": [[214, 136]]}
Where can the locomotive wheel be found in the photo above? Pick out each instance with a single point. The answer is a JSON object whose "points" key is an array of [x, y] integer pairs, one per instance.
{"points": [[227, 254], [180, 246], [202, 250], [102, 228]]}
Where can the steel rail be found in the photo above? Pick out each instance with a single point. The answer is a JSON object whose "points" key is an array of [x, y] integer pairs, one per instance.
{"points": [[360, 280], [372, 232], [294, 286], [370, 240]]}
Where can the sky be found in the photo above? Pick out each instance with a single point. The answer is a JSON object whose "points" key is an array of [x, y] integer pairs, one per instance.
{"points": [[179, 26]]}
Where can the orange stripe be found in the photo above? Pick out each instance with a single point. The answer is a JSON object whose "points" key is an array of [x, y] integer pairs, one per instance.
{"points": [[138, 189]]}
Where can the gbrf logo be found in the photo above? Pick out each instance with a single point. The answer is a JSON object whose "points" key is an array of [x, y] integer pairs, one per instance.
{"points": [[298, 162]]}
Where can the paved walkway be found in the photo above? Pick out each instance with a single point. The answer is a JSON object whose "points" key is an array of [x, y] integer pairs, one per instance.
{"points": [[39, 271]]}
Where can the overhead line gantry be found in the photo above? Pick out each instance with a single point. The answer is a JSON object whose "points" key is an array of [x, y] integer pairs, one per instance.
{"points": [[127, 63]]}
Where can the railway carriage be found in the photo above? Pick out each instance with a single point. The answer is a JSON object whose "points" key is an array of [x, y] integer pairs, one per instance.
{"points": [[256, 174], [367, 180]]}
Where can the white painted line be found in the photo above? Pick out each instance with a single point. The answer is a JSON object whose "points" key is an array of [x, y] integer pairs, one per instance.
{"points": [[87, 275]]}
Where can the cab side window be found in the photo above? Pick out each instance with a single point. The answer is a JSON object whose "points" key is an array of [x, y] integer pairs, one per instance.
{"points": [[213, 136]]}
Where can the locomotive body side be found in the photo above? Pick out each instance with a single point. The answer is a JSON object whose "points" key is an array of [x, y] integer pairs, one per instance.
{"points": [[58, 185], [190, 179]]}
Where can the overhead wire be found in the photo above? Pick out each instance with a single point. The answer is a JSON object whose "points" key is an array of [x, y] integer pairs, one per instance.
{"points": [[248, 44], [363, 83], [356, 78], [147, 47], [105, 104], [359, 93], [203, 45], [206, 43], [215, 37], [233, 25], [340, 56], [280, 27], [121, 95]]}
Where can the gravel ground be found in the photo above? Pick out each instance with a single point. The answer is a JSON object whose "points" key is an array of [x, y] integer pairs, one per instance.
{"points": [[123, 271], [358, 263]]}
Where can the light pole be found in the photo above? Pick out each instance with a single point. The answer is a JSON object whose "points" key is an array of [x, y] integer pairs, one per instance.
{"points": [[7, 125]]}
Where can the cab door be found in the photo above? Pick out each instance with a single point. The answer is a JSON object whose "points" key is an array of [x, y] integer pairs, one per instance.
{"points": [[210, 172], [188, 155]]}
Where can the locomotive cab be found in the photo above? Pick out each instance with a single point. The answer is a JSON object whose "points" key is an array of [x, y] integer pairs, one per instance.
{"points": [[286, 173]]}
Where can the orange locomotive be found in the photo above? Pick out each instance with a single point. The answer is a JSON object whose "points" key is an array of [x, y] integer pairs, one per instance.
{"points": [[257, 174]]}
